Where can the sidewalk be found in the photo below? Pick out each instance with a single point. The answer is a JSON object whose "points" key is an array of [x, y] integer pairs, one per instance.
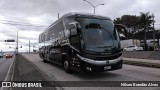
{"points": [[142, 62]]}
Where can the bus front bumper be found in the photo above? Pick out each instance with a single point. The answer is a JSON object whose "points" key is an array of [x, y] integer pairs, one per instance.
{"points": [[105, 65]]}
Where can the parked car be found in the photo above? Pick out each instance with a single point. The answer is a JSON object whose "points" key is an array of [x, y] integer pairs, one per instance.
{"points": [[133, 48], [157, 49], [1, 55], [7, 55]]}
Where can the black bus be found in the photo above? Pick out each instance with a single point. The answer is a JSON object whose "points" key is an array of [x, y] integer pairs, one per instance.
{"points": [[82, 42]]}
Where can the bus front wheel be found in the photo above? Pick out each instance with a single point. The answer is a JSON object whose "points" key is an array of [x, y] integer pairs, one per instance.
{"points": [[66, 66], [45, 61]]}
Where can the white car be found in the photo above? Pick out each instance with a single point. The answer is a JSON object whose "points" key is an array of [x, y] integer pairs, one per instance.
{"points": [[133, 48]]}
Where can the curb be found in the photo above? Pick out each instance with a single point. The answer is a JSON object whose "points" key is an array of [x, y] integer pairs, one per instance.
{"points": [[42, 76], [46, 76], [139, 63], [9, 74]]}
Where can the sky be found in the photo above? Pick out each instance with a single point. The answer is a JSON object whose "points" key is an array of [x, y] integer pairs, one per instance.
{"points": [[31, 17]]}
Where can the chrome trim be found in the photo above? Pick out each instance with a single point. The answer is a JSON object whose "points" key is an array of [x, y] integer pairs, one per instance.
{"points": [[100, 63], [71, 46]]}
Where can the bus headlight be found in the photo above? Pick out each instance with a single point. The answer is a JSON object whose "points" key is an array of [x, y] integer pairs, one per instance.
{"points": [[85, 59]]}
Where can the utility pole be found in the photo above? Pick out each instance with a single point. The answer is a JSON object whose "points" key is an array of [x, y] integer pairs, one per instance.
{"points": [[33, 48], [29, 46], [17, 42], [153, 34], [58, 15]]}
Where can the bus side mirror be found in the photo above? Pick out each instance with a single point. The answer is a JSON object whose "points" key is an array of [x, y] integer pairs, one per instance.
{"points": [[74, 40], [73, 29], [122, 31], [122, 36]]}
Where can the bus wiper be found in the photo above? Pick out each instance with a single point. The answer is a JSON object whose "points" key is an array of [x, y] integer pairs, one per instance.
{"points": [[92, 51], [116, 49]]}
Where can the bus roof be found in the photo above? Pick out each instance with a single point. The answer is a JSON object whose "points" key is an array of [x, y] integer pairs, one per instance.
{"points": [[80, 15], [85, 15]]}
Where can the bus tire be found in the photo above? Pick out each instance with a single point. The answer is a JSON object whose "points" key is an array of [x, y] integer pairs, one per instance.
{"points": [[66, 66], [45, 61]]}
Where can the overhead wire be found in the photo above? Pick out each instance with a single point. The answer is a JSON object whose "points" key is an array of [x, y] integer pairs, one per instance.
{"points": [[10, 22], [21, 24]]}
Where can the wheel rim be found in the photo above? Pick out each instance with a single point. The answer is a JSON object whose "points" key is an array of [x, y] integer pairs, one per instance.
{"points": [[66, 65]]}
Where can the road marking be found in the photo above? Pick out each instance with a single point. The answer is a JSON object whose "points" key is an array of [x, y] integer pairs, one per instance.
{"points": [[8, 72], [44, 72]]}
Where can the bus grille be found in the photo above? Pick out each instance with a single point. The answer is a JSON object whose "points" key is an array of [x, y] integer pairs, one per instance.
{"points": [[101, 58]]}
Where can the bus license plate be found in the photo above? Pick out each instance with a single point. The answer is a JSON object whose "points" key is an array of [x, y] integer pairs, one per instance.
{"points": [[107, 67]]}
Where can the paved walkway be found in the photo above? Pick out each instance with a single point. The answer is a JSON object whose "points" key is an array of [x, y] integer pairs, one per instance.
{"points": [[142, 60], [154, 55]]}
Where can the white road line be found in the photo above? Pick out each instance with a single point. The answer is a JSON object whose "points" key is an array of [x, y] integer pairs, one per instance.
{"points": [[8, 72]]}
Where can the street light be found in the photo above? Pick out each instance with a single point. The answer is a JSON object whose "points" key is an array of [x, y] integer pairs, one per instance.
{"points": [[93, 5], [17, 42], [16, 49]]}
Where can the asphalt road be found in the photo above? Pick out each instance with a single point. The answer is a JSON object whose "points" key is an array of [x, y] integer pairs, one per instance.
{"points": [[4, 67], [127, 73]]}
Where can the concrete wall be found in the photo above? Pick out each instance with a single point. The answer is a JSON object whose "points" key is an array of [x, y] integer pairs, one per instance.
{"points": [[142, 54]]}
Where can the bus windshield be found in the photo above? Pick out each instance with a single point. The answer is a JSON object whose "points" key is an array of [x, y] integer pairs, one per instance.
{"points": [[98, 35]]}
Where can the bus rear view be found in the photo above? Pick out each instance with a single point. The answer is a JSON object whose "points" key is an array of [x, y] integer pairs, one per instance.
{"points": [[91, 43]]}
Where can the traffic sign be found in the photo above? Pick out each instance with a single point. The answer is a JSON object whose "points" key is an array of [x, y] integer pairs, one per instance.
{"points": [[10, 40]]}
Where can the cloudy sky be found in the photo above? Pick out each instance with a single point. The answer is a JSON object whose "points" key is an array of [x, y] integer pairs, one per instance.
{"points": [[31, 17]]}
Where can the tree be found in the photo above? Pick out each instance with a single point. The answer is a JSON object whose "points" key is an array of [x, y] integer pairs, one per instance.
{"points": [[135, 24], [145, 21], [118, 21]]}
